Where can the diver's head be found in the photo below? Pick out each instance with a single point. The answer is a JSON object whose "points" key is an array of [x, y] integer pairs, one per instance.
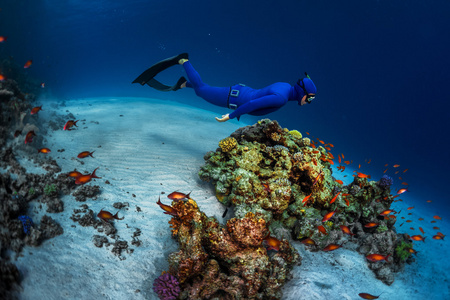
{"points": [[306, 90]]}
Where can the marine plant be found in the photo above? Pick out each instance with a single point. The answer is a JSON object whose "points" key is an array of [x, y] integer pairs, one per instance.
{"points": [[31, 191], [50, 189], [402, 251]]}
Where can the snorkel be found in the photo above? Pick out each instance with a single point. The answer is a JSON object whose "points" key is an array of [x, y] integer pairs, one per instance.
{"points": [[306, 87]]}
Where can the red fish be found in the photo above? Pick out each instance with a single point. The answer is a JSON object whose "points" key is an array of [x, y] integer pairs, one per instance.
{"points": [[70, 124], [377, 257], [74, 174], [35, 110], [421, 230], [361, 175], [308, 241], [409, 208], [339, 181], [106, 215], [346, 230], [86, 178], [266, 187], [331, 247], [437, 218], [322, 229], [401, 191], [3, 39], [335, 197], [339, 159], [396, 166], [317, 178], [386, 212], [273, 243], [418, 238], [2, 77], [28, 64], [29, 137], [177, 196], [306, 198], [169, 210], [328, 216], [371, 225], [44, 150], [368, 296], [85, 154], [438, 237]]}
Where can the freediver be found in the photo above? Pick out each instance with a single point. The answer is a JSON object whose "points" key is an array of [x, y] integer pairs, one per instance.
{"points": [[240, 98]]}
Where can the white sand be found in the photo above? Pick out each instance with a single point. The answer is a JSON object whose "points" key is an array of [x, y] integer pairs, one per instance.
{"points": [[159, 146]]}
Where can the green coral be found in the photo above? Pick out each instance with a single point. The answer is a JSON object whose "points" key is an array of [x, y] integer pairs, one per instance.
{"points": [[31, 191], [402, 251], [50, 189], [296, 133], [382, 228]]}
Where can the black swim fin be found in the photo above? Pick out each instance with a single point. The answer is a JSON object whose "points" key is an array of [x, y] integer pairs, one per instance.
{"points": [[165, 88], [159, 67]]}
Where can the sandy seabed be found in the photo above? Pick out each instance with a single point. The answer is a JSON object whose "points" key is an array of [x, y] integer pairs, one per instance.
{"points": [[147, 146]]}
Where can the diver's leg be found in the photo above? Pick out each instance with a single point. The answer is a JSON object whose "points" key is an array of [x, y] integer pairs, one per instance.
{"points": [[214, 95]]}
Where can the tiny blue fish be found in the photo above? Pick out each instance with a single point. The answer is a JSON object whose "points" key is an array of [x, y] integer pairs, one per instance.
{"points": [[26, 222]]}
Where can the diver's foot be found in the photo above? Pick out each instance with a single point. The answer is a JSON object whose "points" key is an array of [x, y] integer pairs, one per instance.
{"points": [[182, 61], [183, 85]]}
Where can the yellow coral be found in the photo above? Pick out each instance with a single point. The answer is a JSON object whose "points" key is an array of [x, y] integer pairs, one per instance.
{"points": [[296, 133], [227, 144]]}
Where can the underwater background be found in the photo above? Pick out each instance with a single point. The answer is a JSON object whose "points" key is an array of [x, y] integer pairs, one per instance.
{"points": [[382, 68]]}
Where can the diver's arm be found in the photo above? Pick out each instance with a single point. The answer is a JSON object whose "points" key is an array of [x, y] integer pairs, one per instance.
{"points": [[270, 101], [224, 118]]}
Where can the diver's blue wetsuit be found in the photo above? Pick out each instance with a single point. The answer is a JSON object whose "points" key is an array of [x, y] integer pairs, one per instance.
{"points": [[243, 99]]}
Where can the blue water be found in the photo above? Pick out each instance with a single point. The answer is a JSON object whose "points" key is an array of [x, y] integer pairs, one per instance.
{"points": [[381, 67]]}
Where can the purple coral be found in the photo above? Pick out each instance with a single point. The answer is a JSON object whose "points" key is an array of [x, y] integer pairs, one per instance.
{"points": [[167, 287], [385, 182]]}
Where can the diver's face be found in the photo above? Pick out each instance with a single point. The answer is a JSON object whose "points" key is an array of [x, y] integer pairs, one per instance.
{"points": [[303, 102]]}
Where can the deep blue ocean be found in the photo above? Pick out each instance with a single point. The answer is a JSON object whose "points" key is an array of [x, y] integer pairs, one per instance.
{"points": [[382, 68]]}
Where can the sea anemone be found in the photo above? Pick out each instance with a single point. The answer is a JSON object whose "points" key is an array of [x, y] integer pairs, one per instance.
{"points": [[166, 286], [385, 182]]}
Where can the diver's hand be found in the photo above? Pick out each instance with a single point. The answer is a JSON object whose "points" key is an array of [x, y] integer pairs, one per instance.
{"points": [[224, 118]]}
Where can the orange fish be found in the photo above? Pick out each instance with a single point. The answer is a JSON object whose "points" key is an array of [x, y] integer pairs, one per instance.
{"points": [[328, 216], [418, 238], [368, 296], [346, 230], [339, 158], [339, 181], [335, 197], [409, 208], [408, 221], [322, 229], [429, 201], [2, 77], [359, 166], [404, 183], [44, 150], [412, 228], [331, 247], [347, 202], [386, 212], [377, 257], [437, 218], [273, 243], [385, 171], [328, 148], [369, 161], [401, 191], [342, 154], [396, 166], [28, 64], [177, 196], [405, 170], [361, 175], [421, 230], [106, 215], [322, 142], [85, 154], [169, 210], [347, 162], [35, 110], [433, 221], [308, 241], [441, 234], [3, 39], [86, 178], [436, 228], [306, 198], [74, 174], [386, 165], [411, 250], [307, 132], [266, 187], [371, 225], [317, 178], [438, 237], [331, 145], [29, 137], [70, 124]]}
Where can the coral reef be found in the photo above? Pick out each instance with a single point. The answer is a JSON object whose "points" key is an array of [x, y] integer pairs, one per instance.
{"points": [[226, 262], [286, 180], [167, 287]]}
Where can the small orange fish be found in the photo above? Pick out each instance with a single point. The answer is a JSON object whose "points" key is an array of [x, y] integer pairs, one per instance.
{"points": [[418, 238], [361, 175], [3, 39], [339, 181], [307, 132], [306, 198], [347, 202], [401, 191], [421, 230], [74, 174], [29, 137], [385, 171], [85, 154], [339, 158], [368, 296], [334, 199], [404, 183], [386, 165], [436, 228], [44, 150], [106, 215], [308, 241], [441, 234], [437, 218], [377, 257], [371, 225], [328, 216], [35, 110], [331, 247], [396, 166], [386, 212], [405, 170], [359, 166], [169, 210], [322, 229], [316, 151], [69, 124], [400, 178], [273, 243], [267, 187], [429, 201], [177, 196], [317, 178], [411, 250], [409, 208], [412, 228], [83, 179], [328, 148], [342, 154], [28, 64], [438, 237], [346, 230], [2, 77], [369, 161], [433, 221], [347, 162]]}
